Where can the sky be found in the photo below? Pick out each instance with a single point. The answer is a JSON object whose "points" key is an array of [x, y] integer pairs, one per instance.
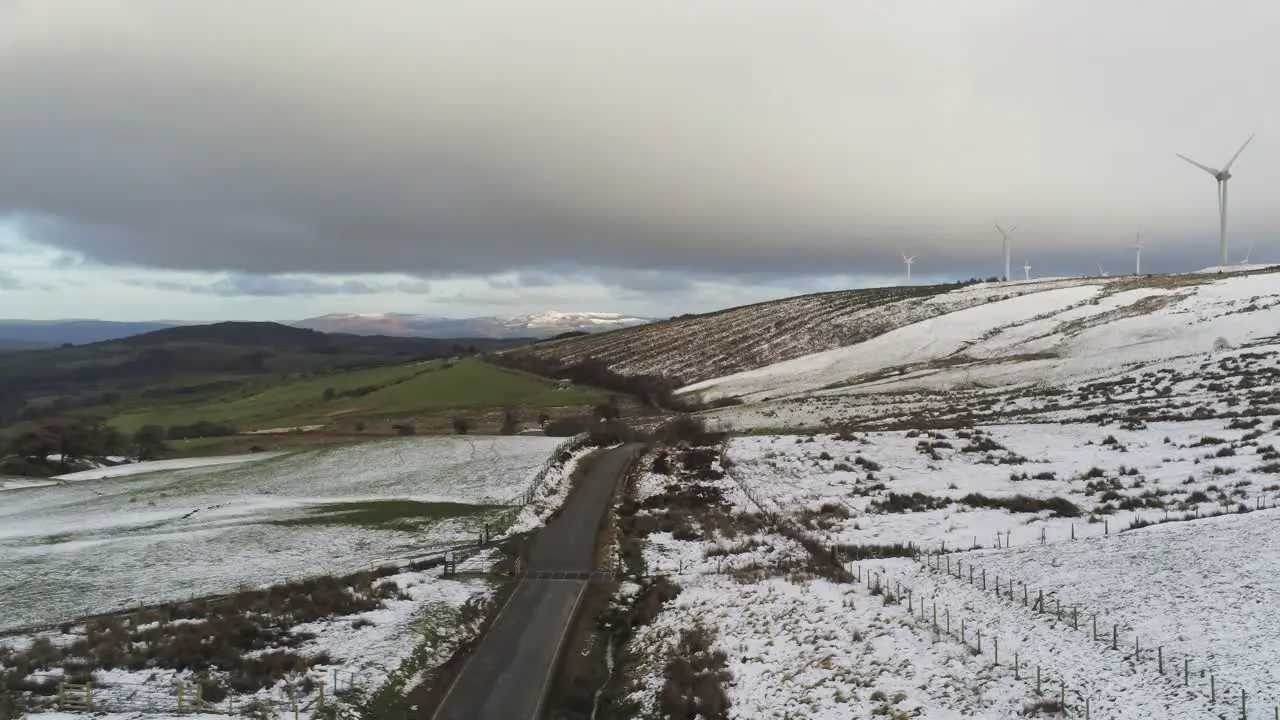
{"points": [[182, 159]]}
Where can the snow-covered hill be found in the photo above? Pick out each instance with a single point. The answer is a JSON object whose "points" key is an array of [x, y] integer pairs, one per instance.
{"points": [[535, 325], [1071, 332]]}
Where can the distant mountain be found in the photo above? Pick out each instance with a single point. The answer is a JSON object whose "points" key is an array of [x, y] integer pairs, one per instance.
{"points": [[535, 325], [76, 332]]}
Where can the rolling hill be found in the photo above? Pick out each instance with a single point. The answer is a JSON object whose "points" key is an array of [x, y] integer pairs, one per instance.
{"points": [[694, 348], [1067, 333], [186, 364]]}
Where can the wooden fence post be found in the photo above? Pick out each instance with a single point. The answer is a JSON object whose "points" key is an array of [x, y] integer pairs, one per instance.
{"points": [[1186, 672], [1213, 689], [1160, 659], [1016, 663], [996, 644], [1038, 693], [1115, 636]]}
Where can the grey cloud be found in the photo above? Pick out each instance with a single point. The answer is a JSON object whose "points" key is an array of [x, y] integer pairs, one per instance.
{"points": [[9, 281], [276, 286], [759, 138]]}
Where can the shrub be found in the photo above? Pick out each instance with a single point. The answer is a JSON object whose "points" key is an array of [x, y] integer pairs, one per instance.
{"points": [[404, 429], [510, 421], [567, 426], [1056, 506], [461, 425]]}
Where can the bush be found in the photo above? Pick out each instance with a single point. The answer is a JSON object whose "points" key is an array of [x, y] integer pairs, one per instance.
{"points": [[1057, 506], [567, 426], [404, 429], [510, 421], [199, 429], [461, 425], [682, 428]]}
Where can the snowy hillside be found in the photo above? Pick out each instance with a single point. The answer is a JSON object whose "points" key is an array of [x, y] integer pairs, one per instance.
{"points": [[1057, 337], [700, 347], [534, 325]]}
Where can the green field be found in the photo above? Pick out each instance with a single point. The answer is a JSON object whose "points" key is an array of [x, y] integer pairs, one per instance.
{"points": [[392, 392]]}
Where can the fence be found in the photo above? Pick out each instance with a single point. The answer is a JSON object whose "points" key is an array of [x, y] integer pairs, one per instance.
{"points": [[1196, 676], [1215, 689], [184, 697], [572, 444]]}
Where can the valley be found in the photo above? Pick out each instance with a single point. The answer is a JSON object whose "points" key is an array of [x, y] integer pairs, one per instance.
{"points": [[1024, 460]]}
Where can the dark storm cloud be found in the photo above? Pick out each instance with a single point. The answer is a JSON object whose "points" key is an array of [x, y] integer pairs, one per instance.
{"points": [[236, 285], [760, 138]]}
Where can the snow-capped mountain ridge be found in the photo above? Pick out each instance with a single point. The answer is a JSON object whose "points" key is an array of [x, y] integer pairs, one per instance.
{"points": [[536, 325]]}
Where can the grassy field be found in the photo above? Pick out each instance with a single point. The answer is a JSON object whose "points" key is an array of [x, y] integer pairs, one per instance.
{"points": [[380, 393]]}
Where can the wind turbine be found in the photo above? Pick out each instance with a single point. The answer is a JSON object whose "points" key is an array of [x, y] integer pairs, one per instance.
{"points": [[1245, 261], [1026, 270], [908, 261], [1137, 247], [1222, 176], [1004, 234], [1101, 272]]}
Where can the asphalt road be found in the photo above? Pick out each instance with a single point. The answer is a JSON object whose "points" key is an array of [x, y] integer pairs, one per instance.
{"points": [[511, 668]]}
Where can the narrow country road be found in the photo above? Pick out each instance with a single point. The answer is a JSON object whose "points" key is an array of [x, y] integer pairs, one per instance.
{"points": [[512, 667]]}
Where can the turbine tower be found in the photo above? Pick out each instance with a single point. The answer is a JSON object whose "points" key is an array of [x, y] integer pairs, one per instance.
{"points": [[1026, 270], [1004, 234], [1222, 176], [908, 261], [1101, 272], [1137, 248]]}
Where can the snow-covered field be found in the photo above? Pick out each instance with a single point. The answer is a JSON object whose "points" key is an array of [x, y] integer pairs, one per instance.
{"points": [[127, 468], [95, 545], [1199, 590], [1111, 477], [800, 645], [1060, 501]]}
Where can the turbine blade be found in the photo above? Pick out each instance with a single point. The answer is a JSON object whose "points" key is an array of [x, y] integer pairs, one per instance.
{"points": [[1227, 167], [1205, 168]]}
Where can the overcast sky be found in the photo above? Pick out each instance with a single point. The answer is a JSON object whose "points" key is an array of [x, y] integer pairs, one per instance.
{"points": [[187, 159]]}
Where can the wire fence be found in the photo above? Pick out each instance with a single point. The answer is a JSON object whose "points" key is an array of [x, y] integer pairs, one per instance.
{"points": [[310, 698], [1193, 674], [570, 445]]}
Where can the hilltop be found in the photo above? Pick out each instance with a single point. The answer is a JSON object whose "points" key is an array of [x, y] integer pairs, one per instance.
{"points": [[212, 381]]}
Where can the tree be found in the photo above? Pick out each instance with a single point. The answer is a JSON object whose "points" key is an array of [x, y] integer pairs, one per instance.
{"points": [[510, 420], [35, 444], [149, 442], [609, 409], [329, 393], [461, 425]]}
